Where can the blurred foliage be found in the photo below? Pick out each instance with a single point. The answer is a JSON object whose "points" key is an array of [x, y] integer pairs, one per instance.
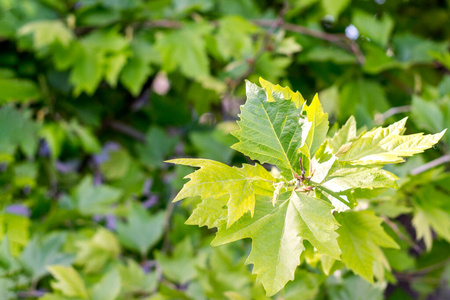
{"points": [[95, 94]]}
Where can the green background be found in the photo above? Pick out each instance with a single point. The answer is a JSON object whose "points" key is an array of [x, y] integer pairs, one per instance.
{"points": [[96, 94]]}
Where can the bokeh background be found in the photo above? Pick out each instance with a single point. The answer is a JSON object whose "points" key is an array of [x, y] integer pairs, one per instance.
{"points": [[96, 94]]}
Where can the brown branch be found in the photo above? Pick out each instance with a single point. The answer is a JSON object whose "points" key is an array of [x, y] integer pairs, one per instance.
{"points": [[126, 129], [434, 163], [274, 25], [339, 39]]}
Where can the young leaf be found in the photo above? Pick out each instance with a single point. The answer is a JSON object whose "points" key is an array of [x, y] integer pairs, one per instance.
{"points": [[344, 135], [215, 179], [288, 94], [319, 127], [387, 145], [270, 131], [360, 237], [68, 281], [277, 233]]}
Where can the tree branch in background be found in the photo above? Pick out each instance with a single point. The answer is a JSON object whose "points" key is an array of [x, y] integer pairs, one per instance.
{"points": [[125, 129], [434, 163], [339, 39], [274, 26], [380, 118]]}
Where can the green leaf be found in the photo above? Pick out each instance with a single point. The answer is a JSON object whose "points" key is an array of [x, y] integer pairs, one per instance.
{"points": [[334, 8], [371, 98], [16, 228], [15, 89], [360, 239], [96, 199], [427, 115], [277, 233], [377, 29], [173, 56], [181, 265], [142, 231], [234, 37], [344, 135], [94, 253], [344, 178], [215, 179], [40, 253], [134, 280], [411, 48], [138, 69], [108, 288], [387, 145], [319, 127], [270, 131], [17, 129], [273, 90], [68, 281], [157, 146], [276, 246], [47, 32], [355, 287]]}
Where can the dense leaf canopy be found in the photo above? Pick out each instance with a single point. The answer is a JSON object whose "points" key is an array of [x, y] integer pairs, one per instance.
{"points": [[281, 126]]}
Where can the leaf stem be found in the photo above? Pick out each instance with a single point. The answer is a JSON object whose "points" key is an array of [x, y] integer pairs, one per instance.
{"points": [[334, 194]]}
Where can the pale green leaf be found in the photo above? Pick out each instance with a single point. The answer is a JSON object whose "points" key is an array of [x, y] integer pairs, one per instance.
{"points": [[215, 179], [387, 145], [276, 245], [334, 8], [134, 279], [68, 281], [360, 237], [270, 131], [108, 288], [287, 93], [277, 233], [210, 212], [343, 136], [319, 126], [94, 253], [344, 178], [46, 32]]}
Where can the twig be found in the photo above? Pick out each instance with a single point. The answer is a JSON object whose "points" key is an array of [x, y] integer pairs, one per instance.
{"points": [[274, 25], [434, 163], [126, 129], [395, 228], [380, 118], [339, 39]]}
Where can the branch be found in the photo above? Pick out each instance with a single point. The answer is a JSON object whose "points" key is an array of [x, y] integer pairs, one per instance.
{"points": [[395, 228], [339, 39], [126, 129], [274, 25], [434, 163], [380, 118]]}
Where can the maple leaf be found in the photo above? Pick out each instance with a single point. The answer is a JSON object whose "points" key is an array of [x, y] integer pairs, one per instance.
{"points": [[388, 145], [215, 179], [277, 233], [270, 132], [279, 213], [360, 239]]}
